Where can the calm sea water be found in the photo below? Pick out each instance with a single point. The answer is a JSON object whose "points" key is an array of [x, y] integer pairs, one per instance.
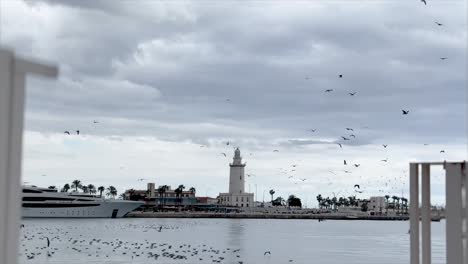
{"points": [[220, 241]]}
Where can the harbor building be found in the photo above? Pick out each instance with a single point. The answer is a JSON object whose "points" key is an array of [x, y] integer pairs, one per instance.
{"points": [[236, 195], [162, 196], [377, 204]]}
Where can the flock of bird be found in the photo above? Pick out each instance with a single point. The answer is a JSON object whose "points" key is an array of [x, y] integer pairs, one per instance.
{"points": [[144, 245], [392, 184]]}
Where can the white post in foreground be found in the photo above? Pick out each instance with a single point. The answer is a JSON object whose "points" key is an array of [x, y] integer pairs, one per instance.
{"points": [[453, 213], [13, 72], [426, 213], [414, 213], [456, 212]]}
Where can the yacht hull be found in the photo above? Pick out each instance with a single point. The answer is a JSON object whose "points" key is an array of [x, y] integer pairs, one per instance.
{"points": [[101, 209]]}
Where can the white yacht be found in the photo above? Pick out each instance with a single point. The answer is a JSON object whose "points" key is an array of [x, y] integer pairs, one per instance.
{"points": [[46, 203]]}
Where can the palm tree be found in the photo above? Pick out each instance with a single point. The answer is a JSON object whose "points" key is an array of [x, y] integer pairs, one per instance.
{"points": [[404, 203], [161, 192], [66, 187], [398, 204], [271, 193], [76, 184], [192, 189], [394, 204], [101, 189], [387, 197], [319, 200], [91, 189], [51, 187], [111, 191], [166, 188], [179, 193], [352, 200], [328, 202], [334, 202]]}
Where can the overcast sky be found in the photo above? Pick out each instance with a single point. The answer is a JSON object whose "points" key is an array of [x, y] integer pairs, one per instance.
{"points": [[164, 78]]}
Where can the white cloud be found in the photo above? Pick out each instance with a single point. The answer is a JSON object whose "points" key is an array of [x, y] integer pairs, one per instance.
{"points": [[156, 75]]}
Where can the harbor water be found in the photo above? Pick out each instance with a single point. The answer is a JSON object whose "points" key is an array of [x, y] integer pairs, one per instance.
{"points": [[242, 241]]}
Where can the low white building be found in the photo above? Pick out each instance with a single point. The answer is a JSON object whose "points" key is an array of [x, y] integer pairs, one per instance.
{"points": [[377, 204], [236, 195]]}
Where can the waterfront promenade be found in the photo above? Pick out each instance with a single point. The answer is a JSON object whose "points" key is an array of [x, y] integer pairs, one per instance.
{"points": [[329, 216]]}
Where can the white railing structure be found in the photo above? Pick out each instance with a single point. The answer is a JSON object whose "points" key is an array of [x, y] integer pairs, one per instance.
{"points": [[13, 71], [456, 212]]}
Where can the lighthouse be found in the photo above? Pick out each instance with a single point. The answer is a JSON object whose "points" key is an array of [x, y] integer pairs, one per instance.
{"points": [[236, 174], [236, 195]]}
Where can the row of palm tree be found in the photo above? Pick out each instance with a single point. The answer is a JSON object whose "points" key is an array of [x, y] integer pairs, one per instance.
{"points": [[334, 203], [396, 205], [90, 188]]}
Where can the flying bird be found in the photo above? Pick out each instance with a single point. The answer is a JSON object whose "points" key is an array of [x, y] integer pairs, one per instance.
{"points": [[424, 1], [313, 130], [385, 160], [442, 151], [443, 58], [224, 154], [352, 94], [266, 252], [344, 138], [95, 122], [341, 75], [352, 135], [339, 145], [349, 129], [275, 150], [439, 24], [405, 112], [357, 185], [227, 143], [347, 171], [357, 165], [358, 191], [66, 132], [142, 179], [303, 179], [344, 162], [385, 146], [329, 90]]}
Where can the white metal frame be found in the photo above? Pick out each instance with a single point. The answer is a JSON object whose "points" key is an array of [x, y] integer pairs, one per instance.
{"points": [[13, 71], [456, 212]]}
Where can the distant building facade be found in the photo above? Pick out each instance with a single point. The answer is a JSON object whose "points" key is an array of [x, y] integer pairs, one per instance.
{"points": [[236, 195], [157, 197], [377, 204]]}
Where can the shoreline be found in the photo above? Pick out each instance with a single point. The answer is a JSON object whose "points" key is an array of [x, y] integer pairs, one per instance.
{"points": [[267, 216]]}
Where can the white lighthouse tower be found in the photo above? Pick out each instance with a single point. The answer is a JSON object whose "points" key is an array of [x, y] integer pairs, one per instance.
{"points": [[236, 174], [236, 195]]}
